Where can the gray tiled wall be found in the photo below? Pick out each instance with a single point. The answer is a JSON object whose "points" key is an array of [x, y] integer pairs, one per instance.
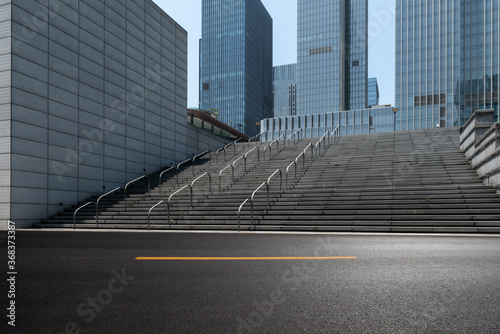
{"points": [[98, 98], [5, 42]]}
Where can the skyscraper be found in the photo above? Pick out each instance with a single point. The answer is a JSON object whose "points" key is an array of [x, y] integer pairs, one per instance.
{"points": [[332, 54], [236, 70], [373, 92], [284, 87], [447, 61]]}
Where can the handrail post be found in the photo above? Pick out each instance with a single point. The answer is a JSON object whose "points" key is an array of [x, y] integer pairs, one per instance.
{"points": [[239, 211], [97, 206], [135, 180], [199, 156], [251, 215], [178, 166], [192, 165], [194, 181], [295, 178], [267, 186], [209, 182], [191, 190], [168, 201], [220, 176], [161, 174], [74, 214], [168, 212], [149, 214]]}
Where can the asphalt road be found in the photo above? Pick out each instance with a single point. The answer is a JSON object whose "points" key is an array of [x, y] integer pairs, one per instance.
{"points": [[87, 282]]}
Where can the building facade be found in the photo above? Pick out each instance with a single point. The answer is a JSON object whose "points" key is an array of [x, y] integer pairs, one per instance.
{"points": [[92, 94], [332, 55], [373, 92], [285, 90], [447, 61], [236, 71]]}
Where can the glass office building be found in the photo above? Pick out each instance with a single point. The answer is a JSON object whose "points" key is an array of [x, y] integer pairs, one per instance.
{"points": [[332, 55], [447, 61], [373, 92], [236, 70], [351, 122], [284, 88]]}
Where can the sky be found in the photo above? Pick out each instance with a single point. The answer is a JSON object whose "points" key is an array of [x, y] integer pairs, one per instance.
{"points": [[381, 31]]}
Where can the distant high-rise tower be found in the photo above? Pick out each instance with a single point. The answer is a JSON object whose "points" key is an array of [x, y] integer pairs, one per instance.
{"points": [[236, 62], [284, 86], [373, 92], [447, 61], [332, 55]]}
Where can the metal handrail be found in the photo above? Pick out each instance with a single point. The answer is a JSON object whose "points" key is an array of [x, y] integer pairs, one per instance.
{"points": [[217, 154], [220, 175], [312, 150], [294, 136], [256, 190], [237, 140], [168, 202], [232, 170], [224, 149], [278, 139], [270, 151], [97, 206], [239, 211], [255, 137], [336, 133], [199, 156], [271, 145], [235, 161], [135, 180], [149, 214], [246, 155], [290, 165], [317, 147], [252, 197], [191, 193], [318, 144], [161, 175], [209, 184], [74, 214], [281, 178], [179, 165], [295, 162]]}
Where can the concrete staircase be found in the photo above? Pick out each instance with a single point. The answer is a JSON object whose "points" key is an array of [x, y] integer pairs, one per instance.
{"points": [[410, 181], [416, 181]]}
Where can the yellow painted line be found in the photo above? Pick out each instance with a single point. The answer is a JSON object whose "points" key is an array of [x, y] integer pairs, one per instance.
{"points": [[243, 258]]}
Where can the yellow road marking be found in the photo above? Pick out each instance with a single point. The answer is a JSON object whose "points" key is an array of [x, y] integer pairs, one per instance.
{"points": [[243, 258]]}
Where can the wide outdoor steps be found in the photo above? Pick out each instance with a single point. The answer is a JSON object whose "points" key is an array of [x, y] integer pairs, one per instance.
{"points": [[415, 181]]}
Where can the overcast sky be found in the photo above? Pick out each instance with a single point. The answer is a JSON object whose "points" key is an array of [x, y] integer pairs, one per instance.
{"points": [[284, 13]]}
